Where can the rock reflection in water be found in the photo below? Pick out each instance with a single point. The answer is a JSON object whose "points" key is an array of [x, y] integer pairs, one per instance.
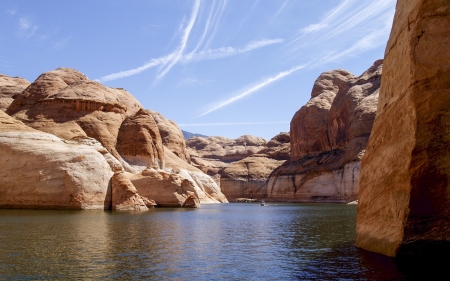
{"points": [[216, 242]]}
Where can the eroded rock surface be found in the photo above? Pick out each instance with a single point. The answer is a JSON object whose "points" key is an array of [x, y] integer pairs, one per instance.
{"points": [[10, 88], [171, 136], [63, 109], [40, 170], [328, 138], [404, 198]]}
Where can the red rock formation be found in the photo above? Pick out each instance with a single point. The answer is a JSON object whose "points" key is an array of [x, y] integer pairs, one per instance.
{"points": [[41, 171], [328, 138], [171, 136], [139, 141], [67, 104], [405, 188], [124, 195], [10, 88]]}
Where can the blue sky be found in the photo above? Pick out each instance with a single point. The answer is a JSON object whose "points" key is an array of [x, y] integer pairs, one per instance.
{"points": [[215, 67]]}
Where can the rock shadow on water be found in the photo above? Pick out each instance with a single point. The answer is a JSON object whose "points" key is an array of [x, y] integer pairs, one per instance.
{"points": [[422, 260], [347, 262]]}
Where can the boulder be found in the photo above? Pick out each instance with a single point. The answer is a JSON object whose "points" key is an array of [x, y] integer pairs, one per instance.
{"points": [[125, 196], [404, 199]]}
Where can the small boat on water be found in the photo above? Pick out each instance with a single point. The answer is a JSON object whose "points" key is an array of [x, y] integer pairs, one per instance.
{"points": [[263, 203]]}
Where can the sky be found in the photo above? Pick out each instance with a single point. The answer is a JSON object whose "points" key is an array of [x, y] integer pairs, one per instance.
{"points": [[215, 67]]}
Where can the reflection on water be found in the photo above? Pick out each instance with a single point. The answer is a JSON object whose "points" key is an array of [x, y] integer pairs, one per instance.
{"points": [[216, 242]]}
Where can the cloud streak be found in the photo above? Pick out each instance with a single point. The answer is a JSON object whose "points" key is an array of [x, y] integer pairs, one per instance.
{"points": [[192, 57], [254, 88], [228, 51], [27, 28], [179, 52], [232, 124]]}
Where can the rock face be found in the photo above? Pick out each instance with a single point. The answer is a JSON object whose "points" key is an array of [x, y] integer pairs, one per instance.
{"points": [[213, 154], [328, 138], [405, 188], [94, 143], [40, 170], [10, 88], [171, 136], [64, 102]]}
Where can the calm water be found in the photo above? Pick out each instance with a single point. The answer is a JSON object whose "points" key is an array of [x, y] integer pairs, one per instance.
{"points": [[234, 241]]}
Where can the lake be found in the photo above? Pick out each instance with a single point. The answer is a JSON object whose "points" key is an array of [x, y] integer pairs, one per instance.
{"points": [[233, 241]]}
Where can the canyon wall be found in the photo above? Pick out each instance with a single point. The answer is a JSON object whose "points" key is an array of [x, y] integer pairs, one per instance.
{"points": [[328, 137], [405, 188], [90, 143]]}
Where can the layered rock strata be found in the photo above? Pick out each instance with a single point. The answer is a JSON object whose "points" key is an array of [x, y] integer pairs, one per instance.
{"points": [[214, 154], [247, 177], [328, 137], [405, 189], [65, 107]]}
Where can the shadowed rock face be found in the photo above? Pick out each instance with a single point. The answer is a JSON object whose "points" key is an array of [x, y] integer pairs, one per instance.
{"points": [[328, 138], [405, 189], [10, 88]]}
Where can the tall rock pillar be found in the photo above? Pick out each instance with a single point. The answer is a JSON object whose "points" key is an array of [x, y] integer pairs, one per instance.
{"points": [[404, 199]]}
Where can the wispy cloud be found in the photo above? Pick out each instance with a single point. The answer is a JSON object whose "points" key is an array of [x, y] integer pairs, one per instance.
{"points": [[349, 14], [12, 12], [216, 19], [228, 51], [254, 88], [370, 41], [122, 74], [192, 57], [27, 28], [62, 43], [231, 124], [184, 38]]}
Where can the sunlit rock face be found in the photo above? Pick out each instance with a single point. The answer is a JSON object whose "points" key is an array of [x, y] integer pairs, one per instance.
{"points": [[247, 177], [64, 102], [42, 171], [116, 138], [10, 88], [404, 188], [171, 136], [328, 138]]}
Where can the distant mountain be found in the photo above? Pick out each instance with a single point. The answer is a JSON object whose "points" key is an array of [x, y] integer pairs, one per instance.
{"points": [[188, 135]]}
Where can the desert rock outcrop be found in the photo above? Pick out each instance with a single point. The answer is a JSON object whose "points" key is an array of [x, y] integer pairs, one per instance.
{"points": [[40, 170], [64, 107], [10, 88], [171, 136], [64, 102], [328, 138], [405, 189]]}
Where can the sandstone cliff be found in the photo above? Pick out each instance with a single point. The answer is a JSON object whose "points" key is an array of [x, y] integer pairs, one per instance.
{"points": [[247, 177], [75, 111], [405, 189], [328, 138]]}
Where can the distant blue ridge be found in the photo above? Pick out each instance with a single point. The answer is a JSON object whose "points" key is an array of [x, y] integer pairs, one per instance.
{"points": [[188, 135]]}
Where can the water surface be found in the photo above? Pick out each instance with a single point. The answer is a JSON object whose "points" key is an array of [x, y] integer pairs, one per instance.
{"points": [[233, 241]]}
